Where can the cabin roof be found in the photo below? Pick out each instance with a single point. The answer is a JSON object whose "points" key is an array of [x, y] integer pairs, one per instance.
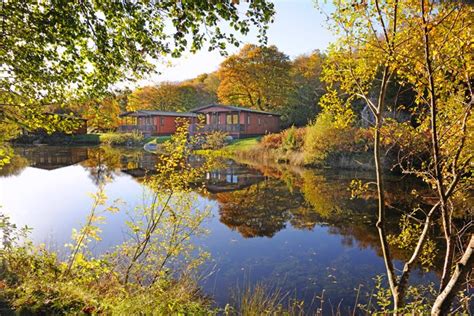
{"points": [[144, 113], [232, 107]]}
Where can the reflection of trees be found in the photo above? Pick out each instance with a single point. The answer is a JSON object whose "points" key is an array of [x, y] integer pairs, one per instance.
{"points": [[14, 167], [107, 162], [103, 162], [312, 198], [259, 210], [264, 208], [326, 199]]}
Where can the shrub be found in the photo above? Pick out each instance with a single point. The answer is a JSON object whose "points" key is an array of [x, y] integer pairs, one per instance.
{"points": [[272, 141], [122, 139], [215, 140], [293, 138], [324, 138]]}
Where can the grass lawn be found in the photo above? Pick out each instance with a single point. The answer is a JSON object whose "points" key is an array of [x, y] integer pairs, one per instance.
{"points": [[157, 139], [235, 146], [241, 144]]}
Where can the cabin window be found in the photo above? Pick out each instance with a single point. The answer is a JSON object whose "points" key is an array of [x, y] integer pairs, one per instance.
{"points": [[248, 119], [232, 119], [162, 121], [215, 118], [259, 121]]}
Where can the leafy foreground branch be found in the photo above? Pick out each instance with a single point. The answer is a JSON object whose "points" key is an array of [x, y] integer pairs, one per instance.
{"points": [[152, 272]]}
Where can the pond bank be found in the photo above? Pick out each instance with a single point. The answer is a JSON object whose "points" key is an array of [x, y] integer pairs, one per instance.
{"points": [[251, 149]]}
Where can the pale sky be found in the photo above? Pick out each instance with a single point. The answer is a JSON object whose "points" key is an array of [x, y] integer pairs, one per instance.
{"points": [[299, 28]]}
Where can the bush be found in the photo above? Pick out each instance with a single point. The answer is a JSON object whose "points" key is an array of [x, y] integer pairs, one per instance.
{"points": [[122, 139], [293, 138], [152, 273], [215, 140], [35, 282], [324, 139], [271, 141]]}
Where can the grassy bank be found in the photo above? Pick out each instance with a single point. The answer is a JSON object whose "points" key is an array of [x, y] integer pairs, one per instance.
{"points": [[320, 145], [233, 148]]}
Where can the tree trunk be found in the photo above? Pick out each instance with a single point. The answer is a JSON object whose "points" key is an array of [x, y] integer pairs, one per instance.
{"points": [[448, 262], [397, 298], [444, 300]]}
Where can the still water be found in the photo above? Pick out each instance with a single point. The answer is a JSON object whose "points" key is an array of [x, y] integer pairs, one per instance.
{"points": [[298, 230]]}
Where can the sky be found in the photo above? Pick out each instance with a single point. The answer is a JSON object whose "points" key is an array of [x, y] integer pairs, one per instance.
{"points": [[298, 28]]}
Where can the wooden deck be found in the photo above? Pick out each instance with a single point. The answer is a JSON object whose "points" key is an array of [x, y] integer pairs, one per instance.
{"points": [[145, 129]]}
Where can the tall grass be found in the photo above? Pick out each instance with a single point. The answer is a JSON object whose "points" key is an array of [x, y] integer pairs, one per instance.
{"points": [[264, 300], [122, 139]]}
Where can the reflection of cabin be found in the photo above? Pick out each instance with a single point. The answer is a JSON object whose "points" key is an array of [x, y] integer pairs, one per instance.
{"points": [[50, 158], [152, 122], [238, 121], [231, 178], [140, 165]]}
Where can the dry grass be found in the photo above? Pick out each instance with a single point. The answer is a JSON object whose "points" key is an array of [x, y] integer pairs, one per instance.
{"points": [[264, 300]]}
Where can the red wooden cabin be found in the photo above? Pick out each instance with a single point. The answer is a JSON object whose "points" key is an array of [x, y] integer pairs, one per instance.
{"points": [[239, 122], [156, 123], [236, 121]]}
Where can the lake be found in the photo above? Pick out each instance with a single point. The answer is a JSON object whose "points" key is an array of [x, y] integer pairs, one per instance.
{"points": [[295, 229]]}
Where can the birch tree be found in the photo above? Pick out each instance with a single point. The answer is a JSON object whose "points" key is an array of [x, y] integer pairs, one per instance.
{"points": [[426, 45]]}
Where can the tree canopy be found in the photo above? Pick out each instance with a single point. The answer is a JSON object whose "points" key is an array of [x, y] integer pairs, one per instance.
{"points": [[55, 50], [257, 77], [169, 96]]}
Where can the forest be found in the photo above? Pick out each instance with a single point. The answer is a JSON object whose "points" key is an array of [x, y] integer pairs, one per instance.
{"points": [[258, 77]]}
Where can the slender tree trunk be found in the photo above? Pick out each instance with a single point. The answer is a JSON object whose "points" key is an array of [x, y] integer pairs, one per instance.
{"points": [[444, 300], [436, 155], [397, 296], [448, 261], [381, 218]]}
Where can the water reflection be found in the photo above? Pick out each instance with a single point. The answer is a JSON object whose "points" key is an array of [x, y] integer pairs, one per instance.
{"points": [[298, 228], [261, 209], [50, 158], [231, 177]]}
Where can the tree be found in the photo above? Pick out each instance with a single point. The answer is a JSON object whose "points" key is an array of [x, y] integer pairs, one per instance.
{"points": [[55, 51], [257, 77], [102, 115], [307, 89], [442, 79], [424, 45], [207, 82], [169, 96], [144, 98]]}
